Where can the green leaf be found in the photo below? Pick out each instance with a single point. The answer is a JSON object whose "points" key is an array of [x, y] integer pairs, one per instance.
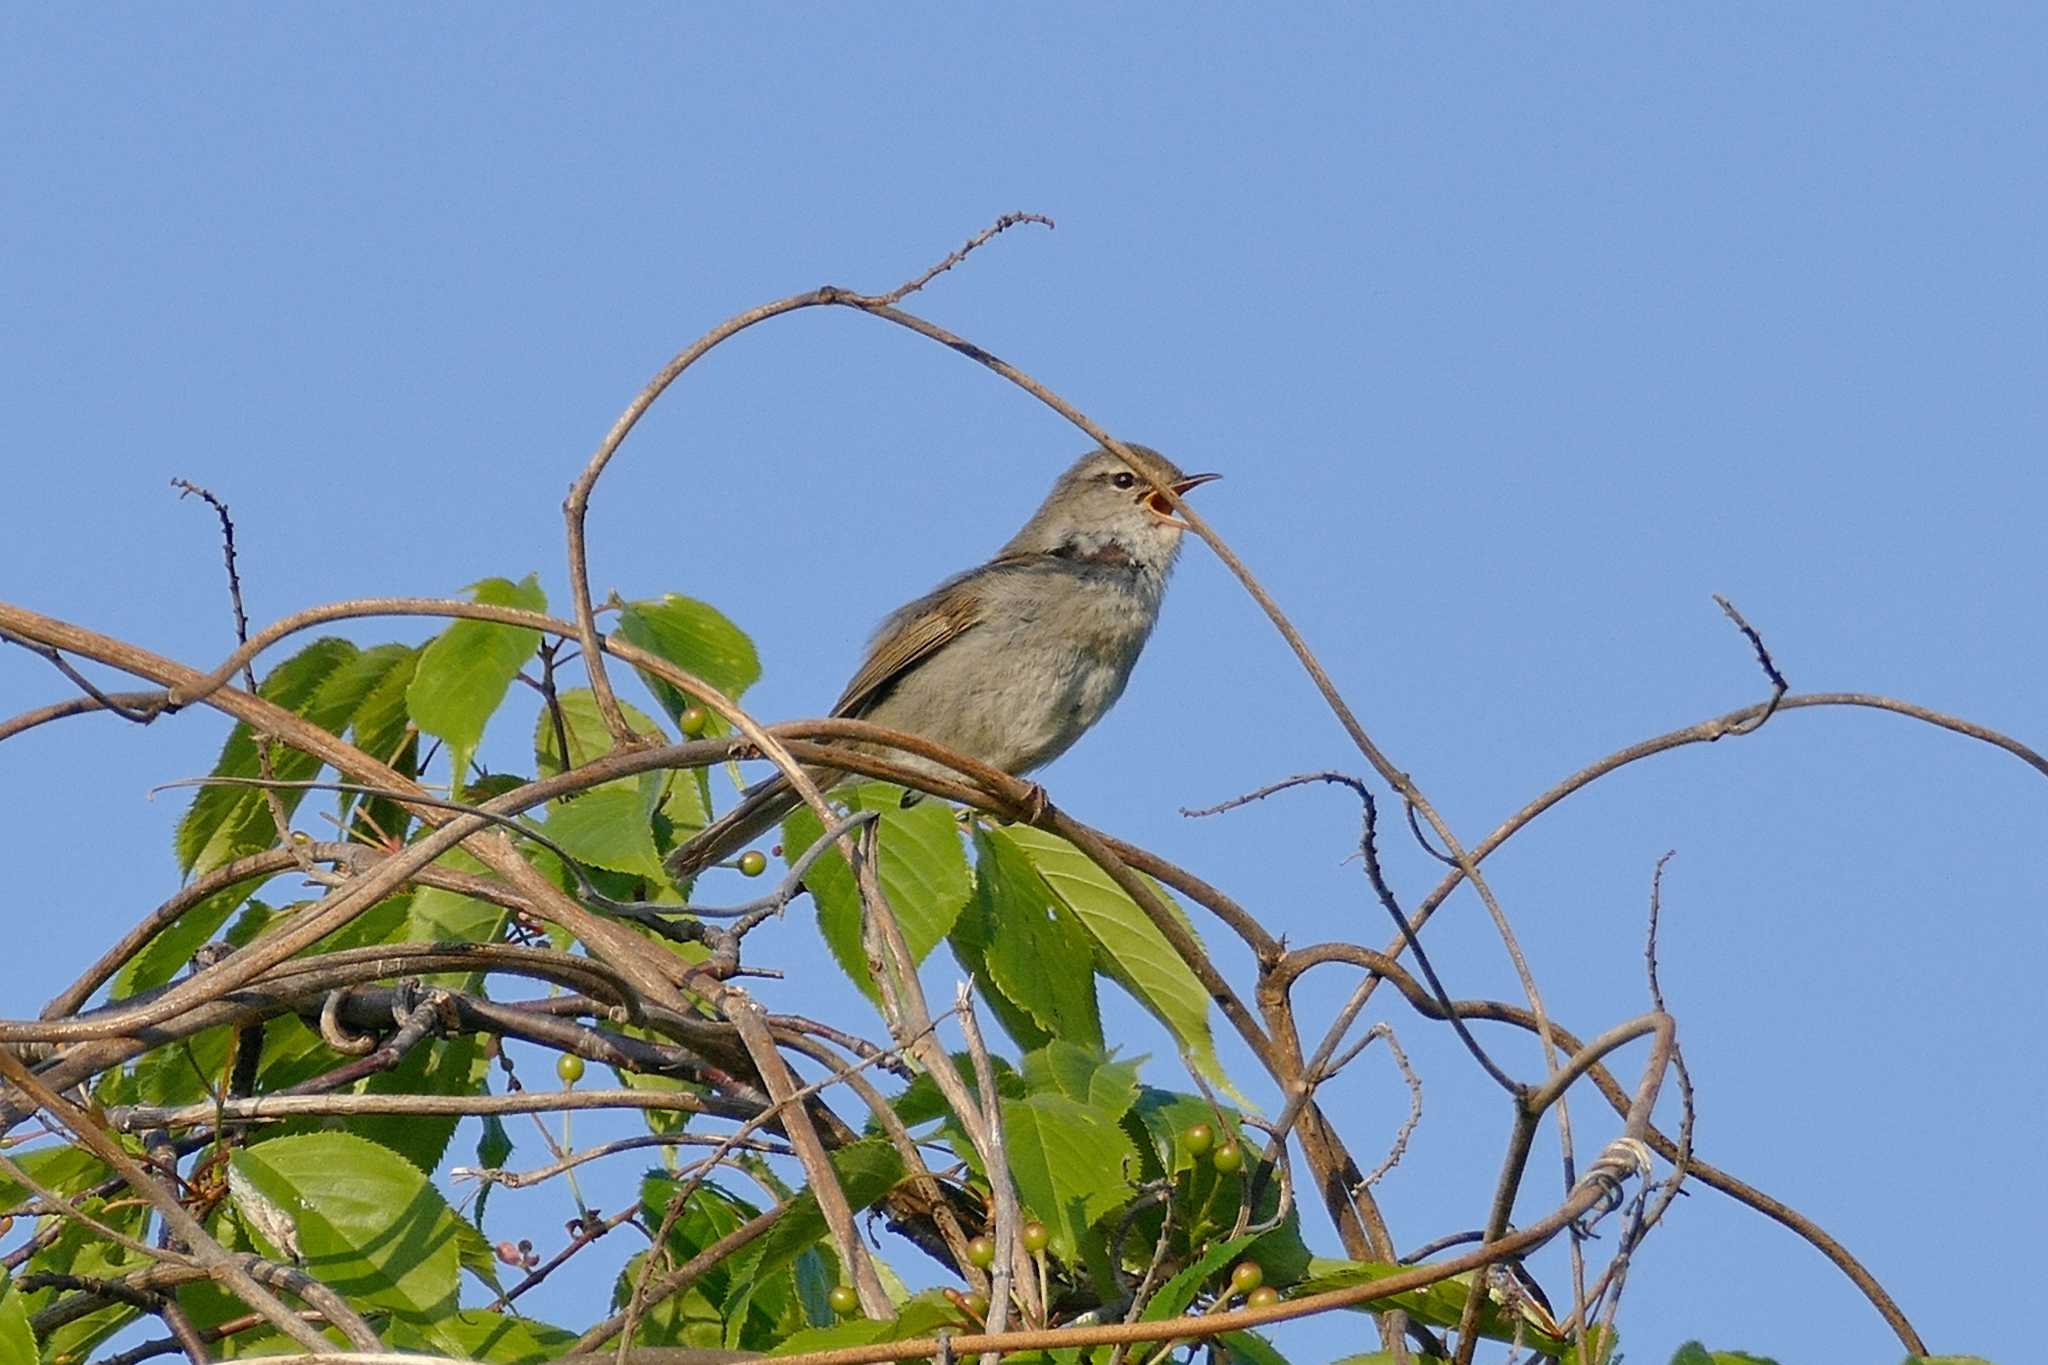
{"points": [[1249, 1348], [584, 726], [1129, 947], [383, 730], [64, 1169], [1440, 1304], [465, 672], [709, 1214], [867, 1171], [1164, 1115], [1084, 1074], [923, 873], [1031, 947], [921, 1101], [476, 1254], [1177, 1294], [1069, 1161], [493, 1145], [607, 827], [17, 1343], [696, 638], [166, 954], [82, 1252], [324, 683], [369, 1223], [919, 1316], [1693, 1353], [481, 1335]]}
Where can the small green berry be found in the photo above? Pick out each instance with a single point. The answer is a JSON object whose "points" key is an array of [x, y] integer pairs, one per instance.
{"points": [[1228, 1158], [1037, 1236], [975, 1306], [1246, 1276], [981, 1252], [694, 721], [843, 1300], [753, 863], [1265, 1296], [569, 1067], [1198, 1138]]}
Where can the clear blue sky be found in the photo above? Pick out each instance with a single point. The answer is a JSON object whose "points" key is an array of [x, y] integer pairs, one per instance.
{"points": [[1517, 332]]}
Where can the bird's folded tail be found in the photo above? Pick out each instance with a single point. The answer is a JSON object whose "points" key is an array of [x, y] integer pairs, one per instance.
{"points": [[760, 809]]}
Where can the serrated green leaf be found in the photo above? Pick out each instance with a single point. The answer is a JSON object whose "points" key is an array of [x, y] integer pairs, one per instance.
{"points": [[923, 873], [584, 727], [921, 1100], [1164, 1115], [493, 1145], [321, 684], [1249, 1348], [1441, 1304], [369, 1222], [17, 1343], [1129, 946], [165, 955], [697, 638], [64, 1169], [607, 828], [83, 1252], [867, 1171], [478, 1334], [1033, 949], [1083, 1074], [1177, 1294], [464, 673], [1071, 1163], [476, 1255], [1693, 1353], [918, 1316], [383, 729]]}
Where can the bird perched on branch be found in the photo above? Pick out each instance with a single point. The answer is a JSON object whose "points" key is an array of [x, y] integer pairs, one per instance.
{"points": [[1011, 661]]}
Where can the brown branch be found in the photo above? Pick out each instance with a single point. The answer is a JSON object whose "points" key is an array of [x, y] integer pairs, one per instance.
{"points": [[747, 1017], [127, 705], [576, 507]]}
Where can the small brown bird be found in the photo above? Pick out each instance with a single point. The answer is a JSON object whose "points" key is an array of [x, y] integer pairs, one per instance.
{"points": [[1012, 661]]}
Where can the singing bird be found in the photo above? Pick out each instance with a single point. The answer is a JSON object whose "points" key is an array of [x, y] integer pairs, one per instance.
{"points": [[1011, 661]]}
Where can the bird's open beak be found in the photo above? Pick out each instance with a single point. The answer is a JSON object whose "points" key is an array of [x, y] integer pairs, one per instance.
{"points": [[1159, 507]]}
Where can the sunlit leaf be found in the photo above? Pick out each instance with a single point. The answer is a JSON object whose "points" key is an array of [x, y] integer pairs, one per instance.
{"points": [[1441, 1304], [1069, 1161], [1032, 947], [465, 672], [697, 638], [481, 1335], [1083, 1074], [607, 827], [324, 683], [17, 1343], [1129, 947], [923, 874], [867, 1171], [369, 1223]]}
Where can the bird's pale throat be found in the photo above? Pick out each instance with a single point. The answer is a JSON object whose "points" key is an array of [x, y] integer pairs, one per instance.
{"points": [[1107, 552]]}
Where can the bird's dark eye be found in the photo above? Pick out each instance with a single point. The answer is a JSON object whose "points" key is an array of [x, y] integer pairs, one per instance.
{"points": [[1125, 480]]}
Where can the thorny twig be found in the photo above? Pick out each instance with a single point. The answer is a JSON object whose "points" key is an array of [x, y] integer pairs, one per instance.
{"points": [[1779, 687]]}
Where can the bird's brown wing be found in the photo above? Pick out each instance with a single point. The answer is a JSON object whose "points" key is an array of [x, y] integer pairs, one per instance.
{"points": [[907, 639]]}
